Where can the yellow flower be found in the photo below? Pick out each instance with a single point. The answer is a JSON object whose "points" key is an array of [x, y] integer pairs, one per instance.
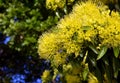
{"points": [[58, 59], [46, 76], [54, 4], [92, 79], [47, 45], [72, 79], [70, 1], [109, 34], [88, 22]]}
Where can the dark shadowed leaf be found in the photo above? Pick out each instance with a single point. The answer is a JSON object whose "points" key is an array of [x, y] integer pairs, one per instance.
{"points": [[116, 66]]}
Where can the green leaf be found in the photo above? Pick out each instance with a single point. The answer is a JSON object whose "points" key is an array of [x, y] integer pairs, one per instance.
{"points": [[108, 73], [102, 52], [93, 61], [93, 49], [65, 10], [116, 51], [116, 66], [106, 60], [85, 72], [98, 74], [86, 28], [57, 14]]}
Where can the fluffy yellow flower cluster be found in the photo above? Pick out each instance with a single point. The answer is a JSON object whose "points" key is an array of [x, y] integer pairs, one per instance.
{"points": [[46, 76], [110, 32], [73, 74], [54, 4], [88, 22]]}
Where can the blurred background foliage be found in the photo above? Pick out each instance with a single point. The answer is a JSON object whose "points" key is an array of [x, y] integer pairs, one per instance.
{"points": [[24, 21], [21, 24]]}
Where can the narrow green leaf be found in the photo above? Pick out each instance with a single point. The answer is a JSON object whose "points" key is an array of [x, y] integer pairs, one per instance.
{"points": [[86, 28], [93, 49], [93, 61], [108, 75], [85, 72], [98, 74], [108, 72], [102, 52], [65, 10], [116, 51], [116, 66], [105, 60], [57, 14]]}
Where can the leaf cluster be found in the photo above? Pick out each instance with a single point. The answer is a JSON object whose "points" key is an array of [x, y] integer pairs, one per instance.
{"points": [[24, 21]]}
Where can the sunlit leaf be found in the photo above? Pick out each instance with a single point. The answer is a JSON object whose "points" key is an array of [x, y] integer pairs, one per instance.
{"points": [[93, 49], [116, 51], [57, 14], [85, 72], [102, 52]]}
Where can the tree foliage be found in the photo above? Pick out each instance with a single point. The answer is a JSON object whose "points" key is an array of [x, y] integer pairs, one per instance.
{"points": [[24, 21]]}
